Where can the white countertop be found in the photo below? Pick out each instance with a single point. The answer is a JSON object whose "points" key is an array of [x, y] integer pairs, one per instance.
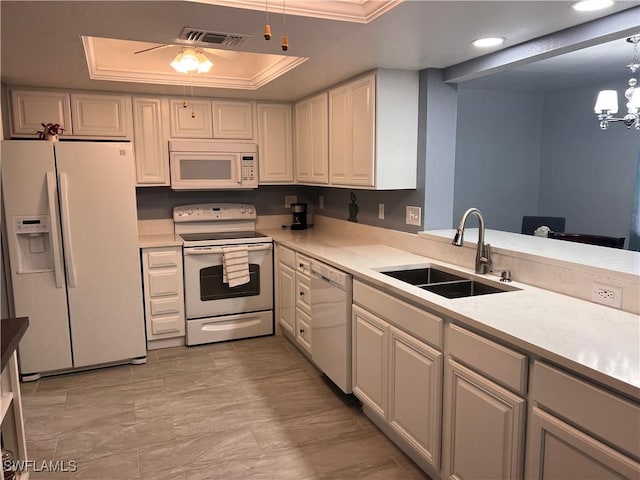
{"points": [[599, 342], [159, 240]]}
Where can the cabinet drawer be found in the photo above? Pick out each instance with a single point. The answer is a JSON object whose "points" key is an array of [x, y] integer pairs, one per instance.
{"points": [[163, 282], [164, 306], [166, 324], [303, 330], [419, 323], [575, 400], [303, 293], [164, 259], [503, 365], [303, 264], [287, 256]]}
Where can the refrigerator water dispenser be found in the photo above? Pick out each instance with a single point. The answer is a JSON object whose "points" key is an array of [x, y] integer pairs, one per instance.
{"points": [[34, 245]]}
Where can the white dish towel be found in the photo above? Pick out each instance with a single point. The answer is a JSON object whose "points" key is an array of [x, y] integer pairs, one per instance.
{"points": [[235, 265]]}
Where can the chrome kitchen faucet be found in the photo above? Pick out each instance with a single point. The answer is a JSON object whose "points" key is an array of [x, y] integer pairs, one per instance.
{"points": [[483, 252]]}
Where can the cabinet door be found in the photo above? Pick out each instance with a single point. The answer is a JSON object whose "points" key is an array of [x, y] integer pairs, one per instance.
{"points": [[483, 428], [275, 149], [319, 141], [190, 118], [303, 292], [151, 134], [303, 141], [557, 451], [415, 390], [101, 115], [370, 365], [363, 131], [31, 108], [232, 120], [286, 297], [340, 136]]}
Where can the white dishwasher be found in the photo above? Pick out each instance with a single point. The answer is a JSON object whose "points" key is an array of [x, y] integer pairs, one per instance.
{"points": [[331, 294]]}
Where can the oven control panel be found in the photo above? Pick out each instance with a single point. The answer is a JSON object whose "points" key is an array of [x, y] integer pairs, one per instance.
{"points": [[214, 211]]}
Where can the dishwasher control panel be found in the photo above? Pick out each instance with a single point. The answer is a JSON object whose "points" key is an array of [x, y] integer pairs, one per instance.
{"points": [[331, 274]]}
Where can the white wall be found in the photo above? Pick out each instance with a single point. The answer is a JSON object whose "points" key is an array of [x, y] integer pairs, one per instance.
{"points": [[498, 156]]}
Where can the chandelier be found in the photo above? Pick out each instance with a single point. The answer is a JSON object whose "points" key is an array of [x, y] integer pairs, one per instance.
{"points": [[191, 60], [607, 103]]}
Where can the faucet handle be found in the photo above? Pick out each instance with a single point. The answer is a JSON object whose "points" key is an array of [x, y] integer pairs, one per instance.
{"points": [[486, 257]]}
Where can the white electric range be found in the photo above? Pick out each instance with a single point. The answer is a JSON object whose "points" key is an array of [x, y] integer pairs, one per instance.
{"points": [[215, 311]]}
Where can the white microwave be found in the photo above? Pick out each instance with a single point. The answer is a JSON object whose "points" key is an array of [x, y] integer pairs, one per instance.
{"points": [[212, 165]]}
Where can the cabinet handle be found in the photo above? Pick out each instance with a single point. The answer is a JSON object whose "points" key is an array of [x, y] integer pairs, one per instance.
{"points": [[302, 294], [302, 331]]}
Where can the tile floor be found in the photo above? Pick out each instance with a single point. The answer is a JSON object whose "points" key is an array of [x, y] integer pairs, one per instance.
{"points": [[251, 409]]}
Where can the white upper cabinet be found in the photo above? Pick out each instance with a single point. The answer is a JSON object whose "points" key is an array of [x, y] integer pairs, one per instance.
{"points": [[312, 140], [31, 108], [150, 136], [275, 152], [373, 131], [233, 119], [98, 115], [191, 118]]}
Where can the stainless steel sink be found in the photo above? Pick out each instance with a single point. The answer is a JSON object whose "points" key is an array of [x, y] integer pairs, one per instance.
{"points": [[463, 288], [423, 276], [445, 283]]}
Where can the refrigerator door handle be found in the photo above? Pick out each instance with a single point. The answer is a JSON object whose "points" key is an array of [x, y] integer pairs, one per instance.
{"points": [[66, 229], [53, 234]]}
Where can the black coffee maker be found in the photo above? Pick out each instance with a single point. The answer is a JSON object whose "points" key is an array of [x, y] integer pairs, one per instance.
{"points": [[299, 214]]}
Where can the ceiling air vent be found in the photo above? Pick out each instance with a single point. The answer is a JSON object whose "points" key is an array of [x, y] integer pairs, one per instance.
{"points": [[193, 35]]}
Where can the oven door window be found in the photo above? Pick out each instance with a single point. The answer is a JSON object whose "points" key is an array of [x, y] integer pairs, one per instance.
{"points": [[213, 288]]}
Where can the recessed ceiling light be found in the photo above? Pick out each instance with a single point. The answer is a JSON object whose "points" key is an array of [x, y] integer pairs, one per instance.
{"points": [[591, 5], [488, 42]]}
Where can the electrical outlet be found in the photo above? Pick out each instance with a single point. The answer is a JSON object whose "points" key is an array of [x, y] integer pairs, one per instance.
{"points": [[321, 201], [607, 295], [289, 199], [414, 216], [381, 211]]}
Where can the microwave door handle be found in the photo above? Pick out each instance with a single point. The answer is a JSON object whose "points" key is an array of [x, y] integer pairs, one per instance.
{"points": [[53, 233], [239, 167]]}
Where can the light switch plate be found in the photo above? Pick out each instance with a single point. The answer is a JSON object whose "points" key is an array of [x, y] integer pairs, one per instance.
{"points": [[414, 216], [289, 199]]}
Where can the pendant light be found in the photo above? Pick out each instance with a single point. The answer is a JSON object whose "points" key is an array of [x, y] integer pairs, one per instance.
{"points": [[607, 102]]}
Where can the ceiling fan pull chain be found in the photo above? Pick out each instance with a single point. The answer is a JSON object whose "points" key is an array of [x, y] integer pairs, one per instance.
{"points": [[193, 112], [285, 39], [267, 27]]}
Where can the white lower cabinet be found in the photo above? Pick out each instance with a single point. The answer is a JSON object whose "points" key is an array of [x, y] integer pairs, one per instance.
{"points": [[163, 295], [578, 430], [558, 451], [286, 297], [484, 408], [370, 364], [415, 392], [483, 425], [397, 376]]}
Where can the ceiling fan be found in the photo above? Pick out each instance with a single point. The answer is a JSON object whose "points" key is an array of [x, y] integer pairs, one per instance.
{"points": [[192, 59]]}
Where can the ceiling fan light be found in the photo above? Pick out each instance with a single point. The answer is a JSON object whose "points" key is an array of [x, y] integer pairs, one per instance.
{"points": [[607, 102], [204, 64], [591, 5], [488, 42]]}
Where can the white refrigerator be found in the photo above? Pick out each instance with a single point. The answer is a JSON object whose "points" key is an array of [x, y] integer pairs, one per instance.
{"points": [[71, 225]]}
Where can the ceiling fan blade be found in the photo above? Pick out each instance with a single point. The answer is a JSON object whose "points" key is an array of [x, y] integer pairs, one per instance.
{"points": [[226, 54], [152, 48]]}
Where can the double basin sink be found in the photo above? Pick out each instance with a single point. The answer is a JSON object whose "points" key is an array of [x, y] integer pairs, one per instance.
{"points": [[443, 282]]}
